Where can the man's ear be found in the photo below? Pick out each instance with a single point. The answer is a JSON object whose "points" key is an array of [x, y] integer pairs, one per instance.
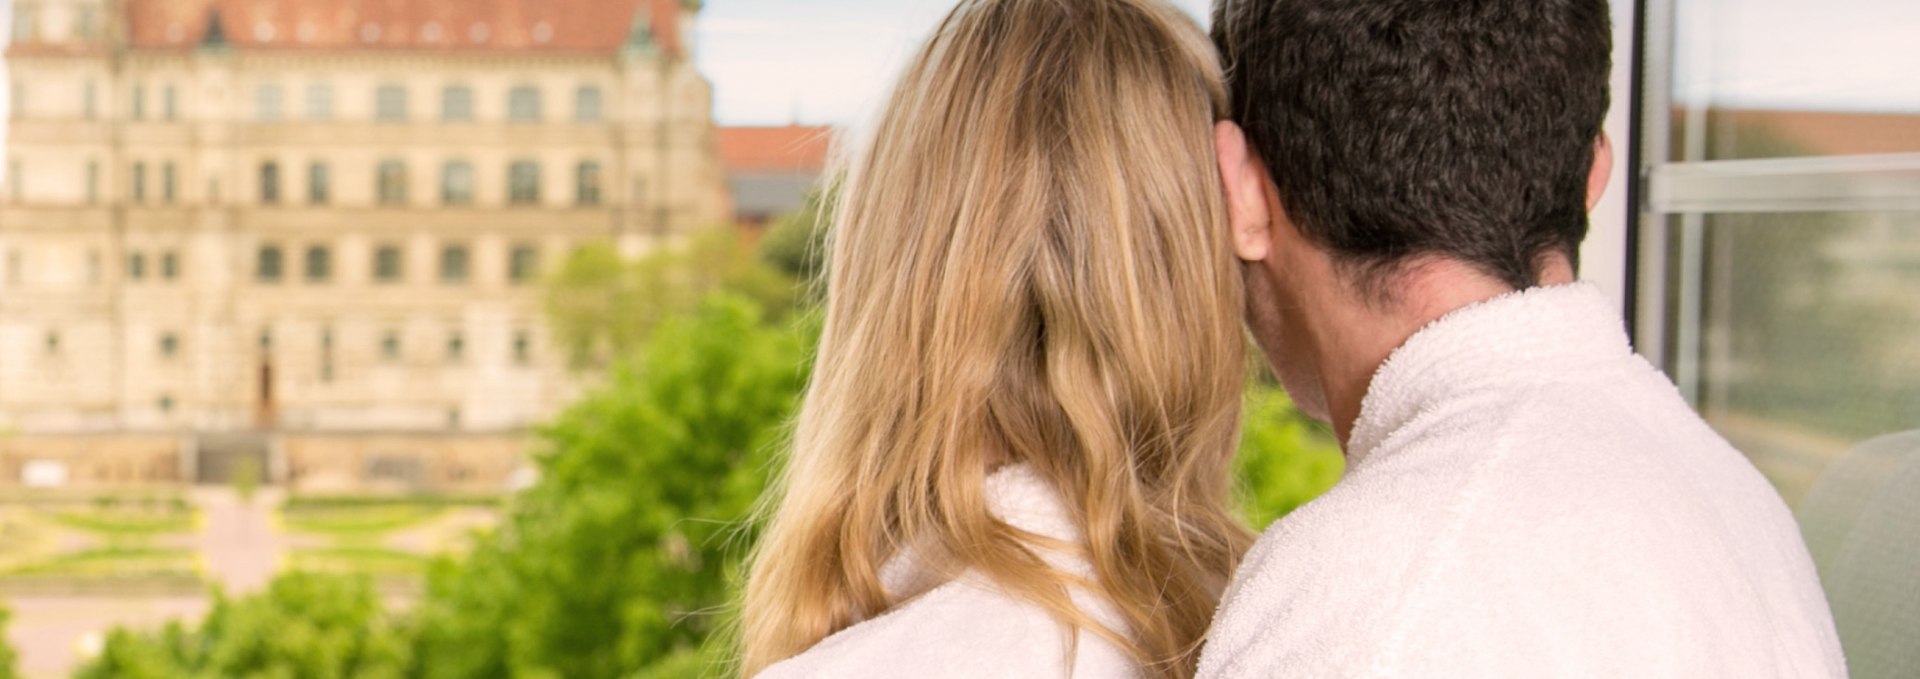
{"points": [[1245, 181], [1601, 172]]}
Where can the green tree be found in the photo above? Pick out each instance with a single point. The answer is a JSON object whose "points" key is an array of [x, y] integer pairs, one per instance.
{"points": [[304, 626], [603, 306], [797, 243], [1285, 460], [619, 557], [8, 659]]}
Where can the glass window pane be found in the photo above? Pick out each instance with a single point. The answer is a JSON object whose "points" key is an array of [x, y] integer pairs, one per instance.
{"points": [[524, 264], [523, 104], [319, 264], [319, 186], [1808, 338], [523, 183], [267, 103], [387, 264], [456, 104], [456, 183], [269, 183], [392, 180], [319, 101], [1787, 78], [268, 265], [587, 105], [453, 264], [587, 184], [390, 103]]}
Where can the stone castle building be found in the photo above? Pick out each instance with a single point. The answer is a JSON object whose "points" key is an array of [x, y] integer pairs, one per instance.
{"points": [[306, 234]]}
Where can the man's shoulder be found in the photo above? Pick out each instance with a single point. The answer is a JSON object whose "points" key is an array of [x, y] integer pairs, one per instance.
{"points": [[1538, 519]]}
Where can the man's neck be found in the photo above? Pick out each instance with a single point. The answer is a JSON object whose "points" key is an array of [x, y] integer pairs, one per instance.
{"points": [[1352, 339]]}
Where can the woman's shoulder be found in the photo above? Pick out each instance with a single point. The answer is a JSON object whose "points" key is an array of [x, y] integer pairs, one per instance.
{"points": [[963, 628]]}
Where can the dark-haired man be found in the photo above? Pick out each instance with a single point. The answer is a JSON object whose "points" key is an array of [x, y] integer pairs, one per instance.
{"points": [[1408, 183]]}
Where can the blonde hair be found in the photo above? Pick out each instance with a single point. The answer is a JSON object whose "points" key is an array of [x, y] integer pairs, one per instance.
{"points": [[1029, 264]]}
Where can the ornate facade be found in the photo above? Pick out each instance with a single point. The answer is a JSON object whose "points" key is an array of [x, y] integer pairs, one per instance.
{"points": [[228, 225]]}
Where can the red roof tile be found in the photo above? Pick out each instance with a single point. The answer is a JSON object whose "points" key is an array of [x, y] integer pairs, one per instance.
{"points": [[794, 148], [464, 25]]}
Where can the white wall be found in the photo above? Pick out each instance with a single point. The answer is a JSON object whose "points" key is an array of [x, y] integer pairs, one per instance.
{"points": [[1603, 259]]}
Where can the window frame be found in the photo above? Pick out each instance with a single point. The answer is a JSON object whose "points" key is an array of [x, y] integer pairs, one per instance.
{"points": [[390, 103], [523, 104]]}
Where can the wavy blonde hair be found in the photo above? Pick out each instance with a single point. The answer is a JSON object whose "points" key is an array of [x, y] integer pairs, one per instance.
{"points": [[1029, 264]]}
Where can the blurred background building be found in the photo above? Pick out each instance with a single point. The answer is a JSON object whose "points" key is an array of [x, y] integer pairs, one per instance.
{"points": [[307, 234]]}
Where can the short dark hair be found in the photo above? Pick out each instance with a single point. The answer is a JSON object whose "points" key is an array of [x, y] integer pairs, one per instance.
{"points": [[1399, 129]]}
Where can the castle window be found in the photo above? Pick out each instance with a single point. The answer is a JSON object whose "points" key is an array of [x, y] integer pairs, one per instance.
{"points": [[523, 104], [139, 182], [270, 183], [268, 264], [139, 102], [387, 265], [456, 104], [169, 103], [268, 103], [390, 346], [587, 105], [319, 188], [319, 101], [169, 265], [390, 103], [456, 183], [586, 182], [524, 264], [169, 345], [523, 183], [392, 180], [25, 24], [319, 264], [455, 264], [137, 266], [167, 183]]}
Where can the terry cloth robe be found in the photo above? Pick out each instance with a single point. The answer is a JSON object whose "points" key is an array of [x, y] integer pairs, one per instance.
{"points": [[968, 627], [1526, 497]]}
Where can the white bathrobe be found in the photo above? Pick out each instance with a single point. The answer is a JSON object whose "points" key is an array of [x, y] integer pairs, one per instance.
{"points": [[969, 628], [1525, 497]]}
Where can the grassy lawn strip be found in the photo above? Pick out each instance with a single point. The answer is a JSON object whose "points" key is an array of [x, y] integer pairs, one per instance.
{"points": [[357, 521], [358, 560], [127, 521], [112, 562]]}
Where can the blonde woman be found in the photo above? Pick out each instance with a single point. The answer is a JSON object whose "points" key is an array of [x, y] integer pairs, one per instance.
{"points": [[1013, 458]]}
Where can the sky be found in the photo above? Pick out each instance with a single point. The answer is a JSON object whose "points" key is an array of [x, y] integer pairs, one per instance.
{"points": [[774, 62], [828, 61]]}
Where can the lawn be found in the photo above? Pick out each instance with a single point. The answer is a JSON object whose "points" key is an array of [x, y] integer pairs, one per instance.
{"points": [[361, 518], [112, 562], [359, 560]]}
